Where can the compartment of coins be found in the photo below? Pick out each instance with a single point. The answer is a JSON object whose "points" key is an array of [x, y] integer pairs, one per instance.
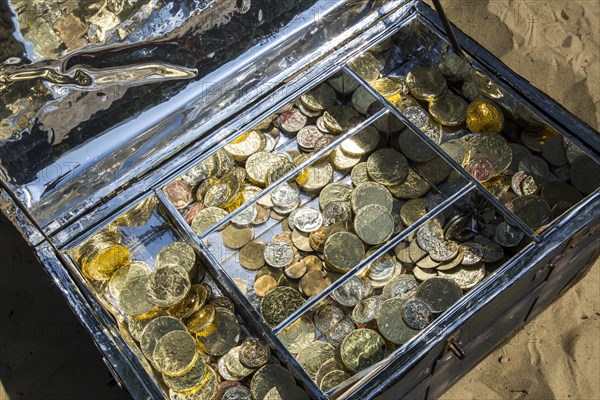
{"points": [[170, 308], [385, 304], [530, 167], [330, 215]]}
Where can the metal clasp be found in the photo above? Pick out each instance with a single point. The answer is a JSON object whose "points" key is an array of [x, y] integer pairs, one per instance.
{"points": [[455, 348]]}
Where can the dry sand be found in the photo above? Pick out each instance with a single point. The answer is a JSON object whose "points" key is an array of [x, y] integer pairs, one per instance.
{"points": [[556, 46]]}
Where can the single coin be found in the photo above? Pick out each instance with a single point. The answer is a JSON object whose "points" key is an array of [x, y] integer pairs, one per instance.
{"points": [[390, 323], [350, 293], [279, 254], [291, 121], [155, 330], [179, 254], [446, 250], [298, 334], [362, 142], [507, 235], [225, 335], [387, 166], [308, 219], [133, 299], [246, 217], [371, 193], [413, 210], [484, 116], [387, 87], [296, 270], [367, 66], [585, 174], [285, 196], [308, 137], [373, 224], [236, 238], [319, 98], [327, 316], [237, 392], [333, 379], [245, 145], [439, 293], [449, 110], [279, 303], [466, 277], [313, 356], [122, 275], [316, 176], [175, 353], [416, 313], [206, 218], [423, 274], [382, 269], [343, 250], [339, 331], [168, 286], [103, 260], [268, 377], [336, 212], [189, 380], [360, 174], [430, 235], [314, 282], [403, 286], [253, 353], [179, 193], [339, 118], [202, 321], [317, 239], [279, 169], [366, 310], [342, 161], [426, 83], [257, 166], [264, 284], [252, 255], [472, 253], [414, 186]]}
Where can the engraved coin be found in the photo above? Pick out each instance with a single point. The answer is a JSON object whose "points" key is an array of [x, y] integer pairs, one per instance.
{"points": [[308, 219], [444, 251], [361, 349], [279, 254], [430, 235], [133, 299], [189, 380], [339, 331], [472, 253], [315, 177], [371, 193], [254, 354], [234, 365], [450, 110], [177, 253], [175, 353], [119, 278], [366, 310], [313, 356], [492, 147], [481, 169], [155, 330], [291, 121], [416, 313], [342, 161], [314, 282], [245, 145], [334, 192], [268, 377], [246, 217], [327, 317], [343, 250], [308, 136], [206, 218], [439, 293], [412, 210], [382, 268], [298, 334], [285, 195], [390, 323], [224, 372], [333, 379], [484, 116], [335, 212], [202, 320], [252, 255], [104, 260], [257, 166], [426, 83], [179, 193], [350, 293], [168, 285], [327, 367], [367, 66], [414, 186], [387, 166], [225, 335], [373, 224], [466, 277], [320, 98], [402, 286], [279, 169], [507, 235], [279, 303]]}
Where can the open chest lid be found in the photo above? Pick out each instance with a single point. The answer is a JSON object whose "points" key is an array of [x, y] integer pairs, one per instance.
{"points": [[96, 94]]}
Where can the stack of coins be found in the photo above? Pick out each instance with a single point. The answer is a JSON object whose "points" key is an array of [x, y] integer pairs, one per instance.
{"points": [[401, 292], [186, 331], [530, 167]]}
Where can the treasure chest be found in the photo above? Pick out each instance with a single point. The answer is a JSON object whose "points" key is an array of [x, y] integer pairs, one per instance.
{"points": [[289, 200]]}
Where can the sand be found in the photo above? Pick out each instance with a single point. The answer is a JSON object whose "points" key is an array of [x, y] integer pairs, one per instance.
{"points": [[556, 46]]}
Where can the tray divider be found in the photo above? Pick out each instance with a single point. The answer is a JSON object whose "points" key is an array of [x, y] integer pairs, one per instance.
{"points": [[394, 111], [373, 256]]}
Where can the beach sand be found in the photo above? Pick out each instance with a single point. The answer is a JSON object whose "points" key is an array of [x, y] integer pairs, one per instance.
{"points": [[556, 46]]}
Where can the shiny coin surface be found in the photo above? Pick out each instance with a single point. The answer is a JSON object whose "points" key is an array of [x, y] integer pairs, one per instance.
{"points": [[206, 218], [481, 169], [320, 98], [202, 321], [268, 377], [492, 147], [236, 238], [225, 335], [314, 355], [350, 293], [333, 379], [472, 253], [361, 143], [439, 293], [339, 118], [254, 354], [361, 349], [373, 224], [308, 219], [336, 212], [360, 174], [205, 390], [308, 137], [466, 277], [252, 255], [327, 367], [279, 303], [234, 365], [339, 331], [387, 166], [382, 269], [292, 120], [314, 282], [366, 310], [413, 186], [416, 313], [298, 334], [426, 83], [403, 287], [279, 254], [343, 250], [246, 217], [449, 110], [175, 353], [245, 145], [257, 166], [104, 260], [189, 380], [133, 298], [155, 330], [179, 193], [484, 116], [264, 284], [327, 316], [371, 193], [316, 176], [122, 275], [237, 392], [412, 210], [390, 323], [367, 66], [177, 253], [334, 192], [445, 251], [168, 286]]}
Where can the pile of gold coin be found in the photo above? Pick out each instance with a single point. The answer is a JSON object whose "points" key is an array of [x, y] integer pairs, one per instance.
{"points": [[401, 292], [530, 167], [186, 331]]}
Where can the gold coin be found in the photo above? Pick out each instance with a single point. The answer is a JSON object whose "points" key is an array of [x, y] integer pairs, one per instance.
{"points": [[301, 240], [484, 116], [342, 161], [343, 251], [245, 145], [258, 165], [168, 286], [333, 379], [315, 177], [339, 118], [264, 284], [387, 87], [371, 193], [269, 377], [327, 367], [360, 174], [279, 303], [206, 390], [139, 214], [254, 354], [412, 210], [450, 110], [236, 238], [234, 366], [373, 224], [201, 321], [414, 186], [390, 323], [206, 218], [179, 254], [320, 98], [190, 380], [195, 300], [204, 186], [298, 334], [252, 255], [424, 274], [313, 356], [104, 260], [175, 353], [155, 330], [122, 275], [426, 83], [225, 336], [296, 270], [493, 148], [367, 66], [314, 282], [387, 166], [133, 299]]}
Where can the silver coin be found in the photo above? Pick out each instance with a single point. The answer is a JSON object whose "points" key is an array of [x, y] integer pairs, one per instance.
{"points": [[472, 253], [327, 316], [350, 293], [444, 251], [403, 286], [336, 211], [245, 217], [336, 334], [430, 235], [279, 254], [308, 219], [466, 277], [367, 310], [285, 195], [382, 268], [508, 236], [416, 313], [417, 115]]}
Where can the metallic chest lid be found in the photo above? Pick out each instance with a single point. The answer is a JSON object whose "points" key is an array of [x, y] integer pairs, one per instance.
{"points": [[95, 94]]}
